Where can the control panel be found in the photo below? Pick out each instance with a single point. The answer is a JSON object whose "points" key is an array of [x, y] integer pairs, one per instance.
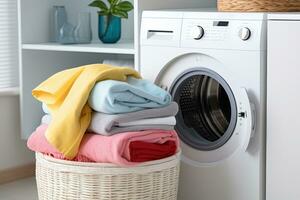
{"points": [[205, 30], [221, 34]]}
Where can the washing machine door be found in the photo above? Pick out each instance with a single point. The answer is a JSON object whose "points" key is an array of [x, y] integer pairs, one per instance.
{"points": [[215, 118]]}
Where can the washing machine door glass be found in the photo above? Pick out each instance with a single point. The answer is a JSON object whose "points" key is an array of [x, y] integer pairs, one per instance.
{"points": [[208, 112]]}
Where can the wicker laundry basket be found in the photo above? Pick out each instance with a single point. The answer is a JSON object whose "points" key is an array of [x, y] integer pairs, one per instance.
{"points": [[259, 5], [68, 180]]}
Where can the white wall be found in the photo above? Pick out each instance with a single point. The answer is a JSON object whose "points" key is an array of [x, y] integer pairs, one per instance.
{"points": [[13, 150]]}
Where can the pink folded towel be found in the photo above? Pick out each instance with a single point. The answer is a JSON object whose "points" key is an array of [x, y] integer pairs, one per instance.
{"points": [[115, 149]]}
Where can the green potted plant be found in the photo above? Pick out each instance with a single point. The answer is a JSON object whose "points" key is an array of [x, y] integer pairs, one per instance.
{"points": [[109, 27]]}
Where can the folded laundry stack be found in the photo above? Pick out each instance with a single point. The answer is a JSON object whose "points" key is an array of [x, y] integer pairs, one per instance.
{"points": [[100, 113]]}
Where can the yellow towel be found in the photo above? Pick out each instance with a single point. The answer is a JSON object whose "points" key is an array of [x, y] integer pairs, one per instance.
{"points": [[66, 94]]}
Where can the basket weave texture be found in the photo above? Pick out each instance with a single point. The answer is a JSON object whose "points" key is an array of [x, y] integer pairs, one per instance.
{"points": [[68, 180], [259, 5]]}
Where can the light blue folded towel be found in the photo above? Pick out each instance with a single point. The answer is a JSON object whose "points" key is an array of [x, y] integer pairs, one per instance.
{"points": [[115, 97], [45, 108]]}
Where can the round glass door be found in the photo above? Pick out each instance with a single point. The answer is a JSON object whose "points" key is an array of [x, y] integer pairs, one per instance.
{"points": [[207, 109]]}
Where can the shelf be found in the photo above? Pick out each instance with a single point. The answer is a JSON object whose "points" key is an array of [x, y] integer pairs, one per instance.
{"points": [[122, 47], [9, 91]]}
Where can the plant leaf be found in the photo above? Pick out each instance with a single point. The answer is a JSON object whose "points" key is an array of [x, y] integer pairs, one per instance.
{"points": [[120, 13], [99, 4], [124, 6], [113, 2]]}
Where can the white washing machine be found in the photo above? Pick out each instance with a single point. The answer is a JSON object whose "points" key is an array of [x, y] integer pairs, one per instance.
{"points": [[214, 65]]}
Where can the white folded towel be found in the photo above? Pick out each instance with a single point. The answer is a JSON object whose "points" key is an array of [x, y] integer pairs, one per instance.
{"points": [[171, 121], [46, 119]]}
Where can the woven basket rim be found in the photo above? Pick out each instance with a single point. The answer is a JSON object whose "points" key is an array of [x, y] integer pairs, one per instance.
{"points": [[40, 156], [259, 5]]}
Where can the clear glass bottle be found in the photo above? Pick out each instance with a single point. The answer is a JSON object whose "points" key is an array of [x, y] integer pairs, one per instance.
{"points": [[83, 30], [59, 19], [67, 34]]}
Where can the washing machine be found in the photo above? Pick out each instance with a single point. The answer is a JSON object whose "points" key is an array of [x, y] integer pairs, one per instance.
{"points": [[214, 65]]}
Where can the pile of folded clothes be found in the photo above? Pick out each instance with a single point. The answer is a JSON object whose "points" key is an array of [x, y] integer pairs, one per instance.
{"points": [[105, 114]]}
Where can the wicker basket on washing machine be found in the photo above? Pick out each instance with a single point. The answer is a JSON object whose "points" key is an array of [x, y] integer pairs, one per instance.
{"points": [[68, 180], [259, 5]]}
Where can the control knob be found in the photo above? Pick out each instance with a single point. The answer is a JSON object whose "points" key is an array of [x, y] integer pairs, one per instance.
{"points": [[197, 32], [245, 33]]}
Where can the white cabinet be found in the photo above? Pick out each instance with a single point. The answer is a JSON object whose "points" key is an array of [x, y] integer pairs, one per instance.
{"points": [[40, 58], [283, 108]]}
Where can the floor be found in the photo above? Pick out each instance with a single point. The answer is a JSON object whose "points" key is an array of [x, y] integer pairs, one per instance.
{"points": [[24, 189]]}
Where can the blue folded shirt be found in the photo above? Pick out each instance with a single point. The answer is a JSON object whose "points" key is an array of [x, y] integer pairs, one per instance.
{"points": [[114, 97]]}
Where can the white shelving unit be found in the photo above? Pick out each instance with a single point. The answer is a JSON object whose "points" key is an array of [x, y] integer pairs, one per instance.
{"points": [[122, 47], [40, 58]]}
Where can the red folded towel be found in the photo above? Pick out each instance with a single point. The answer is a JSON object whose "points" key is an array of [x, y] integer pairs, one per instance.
{"points": [[143, 151]]}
